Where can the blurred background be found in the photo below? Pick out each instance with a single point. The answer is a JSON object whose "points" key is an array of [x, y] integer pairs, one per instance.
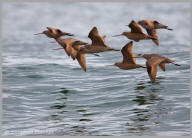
{"points": [[47, 93]]}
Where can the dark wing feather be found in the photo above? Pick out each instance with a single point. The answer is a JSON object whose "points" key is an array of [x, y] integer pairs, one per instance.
{"points": [[82, 61], [127, 53], [151, 65], [162, 66], [153, 33], [135, 28], [96, 38]]}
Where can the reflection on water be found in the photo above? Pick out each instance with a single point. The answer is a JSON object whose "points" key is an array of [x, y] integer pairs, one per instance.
{"points": [[61, 101], [61, 104], [53, 93], [145, 100]]}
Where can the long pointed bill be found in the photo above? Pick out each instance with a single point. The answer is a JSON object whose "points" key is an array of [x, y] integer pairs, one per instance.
{"points": [[38, 33], [137, 57], [116, 50], [58, 48], [117, 35], [110, 65]]}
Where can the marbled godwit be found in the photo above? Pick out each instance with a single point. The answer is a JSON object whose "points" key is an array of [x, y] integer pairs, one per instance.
{"points": [[98, 44], [153, 60], [151, 26], [54, 33], [128, 62], [66, 44], [136, 33]]}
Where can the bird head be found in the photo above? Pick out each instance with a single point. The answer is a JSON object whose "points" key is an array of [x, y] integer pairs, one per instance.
{"points": [[57, 32]]}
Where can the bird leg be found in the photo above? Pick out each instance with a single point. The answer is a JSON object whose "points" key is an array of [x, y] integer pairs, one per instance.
{"points": [[95, 54], [116, 50]]}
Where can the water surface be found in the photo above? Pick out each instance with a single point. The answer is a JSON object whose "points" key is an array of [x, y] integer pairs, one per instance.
{"points": [[47, 93]]}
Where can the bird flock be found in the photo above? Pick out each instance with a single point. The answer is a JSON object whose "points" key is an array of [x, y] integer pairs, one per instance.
{"points": [[77, 49]]}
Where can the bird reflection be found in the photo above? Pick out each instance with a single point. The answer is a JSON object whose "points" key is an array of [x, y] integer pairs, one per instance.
{"points": [[60, 104], [61, 101], [142, 114]]}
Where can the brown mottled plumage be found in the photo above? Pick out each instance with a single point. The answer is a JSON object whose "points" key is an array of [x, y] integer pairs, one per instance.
{"points": [[67, 44], [154, 60], [98, 44], [128, 62], [136, 33], [151, 26], [54, 33]]}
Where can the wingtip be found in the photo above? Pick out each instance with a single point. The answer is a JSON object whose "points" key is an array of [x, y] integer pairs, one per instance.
{"points": [[170, 29], [132, 21], [94, 27], [130, 43], [69, 34]]}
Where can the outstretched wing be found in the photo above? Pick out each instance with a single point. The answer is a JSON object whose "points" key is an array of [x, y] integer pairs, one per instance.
{"points": [[135, 28], [82, 61], [96, 38], [151, 65], [153, 33], [127, 53], [162, 66]]}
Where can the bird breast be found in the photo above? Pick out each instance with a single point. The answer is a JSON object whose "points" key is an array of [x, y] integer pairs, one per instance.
{"points": [[136, 36], [127, 66], [92, 49]]}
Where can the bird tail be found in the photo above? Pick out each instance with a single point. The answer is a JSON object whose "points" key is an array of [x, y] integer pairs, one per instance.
{"points": [[169, 29], [116, 50], [69, 34]]}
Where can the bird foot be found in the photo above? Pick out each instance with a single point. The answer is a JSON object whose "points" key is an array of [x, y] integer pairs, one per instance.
{"points": [[96, 54]]}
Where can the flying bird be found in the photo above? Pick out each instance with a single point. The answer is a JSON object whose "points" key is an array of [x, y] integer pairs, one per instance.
{"points": [[54, 33], [151, 26], [154, 60], [136, 33], [67, 44], [98, 44], [128, 61]]}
